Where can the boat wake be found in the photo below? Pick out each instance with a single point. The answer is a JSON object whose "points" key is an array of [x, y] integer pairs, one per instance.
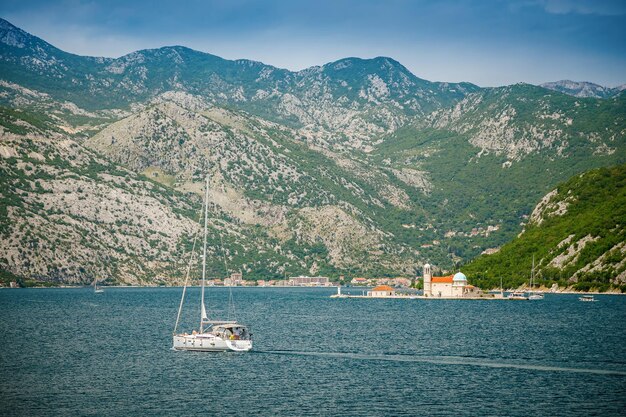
{"points": [[448, 360]]}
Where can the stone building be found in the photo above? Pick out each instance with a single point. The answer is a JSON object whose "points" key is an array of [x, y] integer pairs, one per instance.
{"points": [[382, 291], [451, 286]]}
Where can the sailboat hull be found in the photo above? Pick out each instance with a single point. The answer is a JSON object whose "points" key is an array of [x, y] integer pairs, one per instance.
{"points": [[210, 343]]}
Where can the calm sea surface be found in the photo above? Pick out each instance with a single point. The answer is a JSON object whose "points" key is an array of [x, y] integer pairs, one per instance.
{"points": [[73, 352]]}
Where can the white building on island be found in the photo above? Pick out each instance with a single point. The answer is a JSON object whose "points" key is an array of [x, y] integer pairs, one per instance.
{"points": [[452, 286], [382, 291]]}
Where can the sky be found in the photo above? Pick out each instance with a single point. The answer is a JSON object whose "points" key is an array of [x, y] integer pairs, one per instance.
{"points": [[489, 43]]}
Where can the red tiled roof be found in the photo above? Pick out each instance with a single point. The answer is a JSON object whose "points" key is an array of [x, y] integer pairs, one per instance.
{"points": [[442, 280], [383, 288]]}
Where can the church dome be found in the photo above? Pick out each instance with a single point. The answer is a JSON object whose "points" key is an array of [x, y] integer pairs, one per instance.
{"points": [[459, 276]]}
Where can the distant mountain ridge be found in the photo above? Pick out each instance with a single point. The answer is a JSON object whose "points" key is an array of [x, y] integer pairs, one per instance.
{"points": [[583, 89], [338, 96], [37, 55]]}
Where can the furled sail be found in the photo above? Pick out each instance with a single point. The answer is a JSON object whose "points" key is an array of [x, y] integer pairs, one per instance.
{"points": [[204, 316]]}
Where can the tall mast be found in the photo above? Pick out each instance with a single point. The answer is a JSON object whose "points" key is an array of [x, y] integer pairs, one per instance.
{"points": [[532, 274], [206, 219]]}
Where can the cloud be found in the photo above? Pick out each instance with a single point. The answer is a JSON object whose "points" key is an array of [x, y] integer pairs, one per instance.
{"points": [[596, 7]]}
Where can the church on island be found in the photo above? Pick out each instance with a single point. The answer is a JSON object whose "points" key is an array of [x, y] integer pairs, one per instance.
{"points": [[452, 286]]}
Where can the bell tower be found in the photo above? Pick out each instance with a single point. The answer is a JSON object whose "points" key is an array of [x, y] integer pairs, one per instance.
{"points": [[427, 281]]}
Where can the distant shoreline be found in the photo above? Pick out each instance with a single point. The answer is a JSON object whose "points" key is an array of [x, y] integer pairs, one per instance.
{"points": [[495, 290]]}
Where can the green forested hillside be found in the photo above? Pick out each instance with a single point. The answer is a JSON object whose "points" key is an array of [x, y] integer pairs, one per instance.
{"points": [[576, 234], [495, 154]]}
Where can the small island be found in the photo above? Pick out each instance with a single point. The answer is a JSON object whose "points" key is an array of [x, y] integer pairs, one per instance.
{"points": [[447, 287]]}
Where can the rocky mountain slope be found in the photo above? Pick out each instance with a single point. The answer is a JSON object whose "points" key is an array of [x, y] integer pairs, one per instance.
{"points": [[355, 167], [69, 215], [262, 175], [490, 157], [576, 234], [519, 120]]}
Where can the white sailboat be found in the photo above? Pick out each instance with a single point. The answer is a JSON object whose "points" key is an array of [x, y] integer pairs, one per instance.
{"points": [[533, 295], [213, 335]]}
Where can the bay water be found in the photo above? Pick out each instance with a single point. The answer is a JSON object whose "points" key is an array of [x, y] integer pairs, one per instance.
{"points": [[73, 352]]}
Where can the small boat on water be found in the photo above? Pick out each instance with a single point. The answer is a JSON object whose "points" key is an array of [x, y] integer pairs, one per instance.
{"points": [[213, 335], [587, 298], [97, 290], [533, 295], [517, 295]]}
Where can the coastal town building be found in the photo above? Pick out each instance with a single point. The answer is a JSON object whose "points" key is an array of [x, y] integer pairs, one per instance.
{"points": [[303, 281], [452, 286], [235, 279], [382, 291], [394, 282]]}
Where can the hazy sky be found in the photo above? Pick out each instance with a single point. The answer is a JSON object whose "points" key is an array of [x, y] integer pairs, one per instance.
{"points": [[488, 42]]}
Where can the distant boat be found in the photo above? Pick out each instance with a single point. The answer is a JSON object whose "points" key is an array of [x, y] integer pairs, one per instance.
{"points": [[533, 295], [97, 290], [213, 335], [517, 295], [587, 298]]}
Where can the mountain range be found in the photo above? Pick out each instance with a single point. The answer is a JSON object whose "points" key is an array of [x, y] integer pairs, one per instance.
{"points": [[584, 89], [356, 167]]}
